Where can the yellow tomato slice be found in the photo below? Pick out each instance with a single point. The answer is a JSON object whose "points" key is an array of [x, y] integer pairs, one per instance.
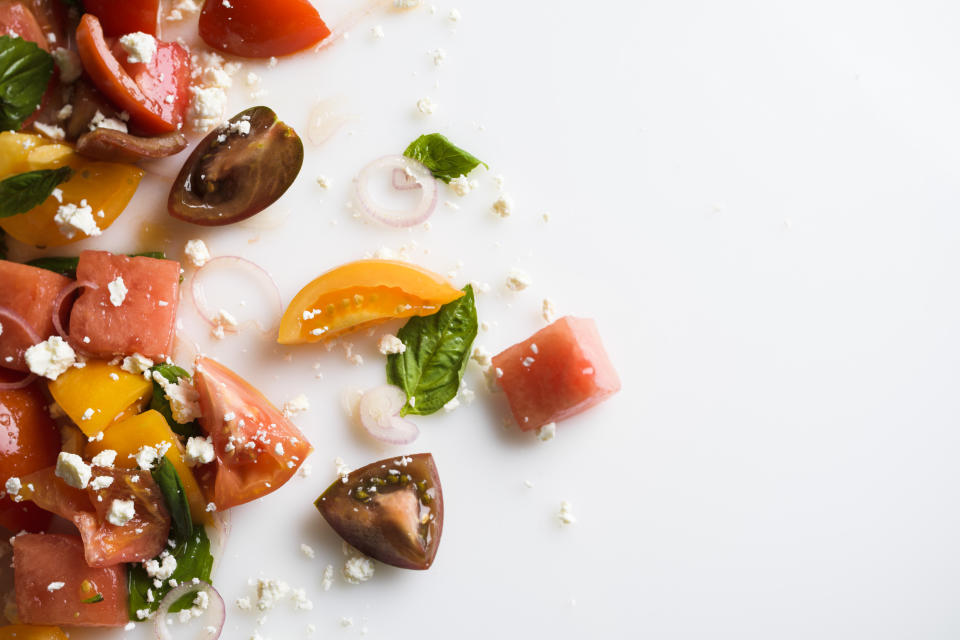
{"points": [[106, 186], [360, 294], [98, 394], [150, 428], [31, 632]]}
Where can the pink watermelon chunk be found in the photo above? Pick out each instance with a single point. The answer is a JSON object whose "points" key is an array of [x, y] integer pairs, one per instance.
{"points": [[41, 561], [30, 293], [142, 323], [558, 372]]}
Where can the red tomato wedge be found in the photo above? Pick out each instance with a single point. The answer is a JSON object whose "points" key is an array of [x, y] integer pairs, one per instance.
{"points": [[106, 544], [28, 441], [42, 560], [120, 17], [261, 28], [142, 90], [15, 18], [257, 448]]}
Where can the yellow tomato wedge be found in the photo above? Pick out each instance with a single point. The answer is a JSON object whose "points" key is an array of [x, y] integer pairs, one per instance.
{"points": [[150, 428], [106, 186], [98, 394], [31, 632], [360, 294]]}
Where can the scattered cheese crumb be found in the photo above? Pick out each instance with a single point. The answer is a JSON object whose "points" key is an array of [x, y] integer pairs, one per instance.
{"points": [[326, 580], [454, 15], [137, 364], [207, 105], [451, 406], [183, 397], [13, 486], [462, 185], [358, 569], [197, 252], [438, 55], [146, 457], [162, 568], [140, 47], [547, 432], [50, 358], [296, 405], [100, 121], [548, 310], [101, 482], [390, 343], [55, 586], [69, 64], [71, 218], [566, 513], [53, 132], [199, 451], [426, 106], [121, 512], [377, 32], [518, 280], [308, 551], [503, 206], [118, 291], [105, 458]]}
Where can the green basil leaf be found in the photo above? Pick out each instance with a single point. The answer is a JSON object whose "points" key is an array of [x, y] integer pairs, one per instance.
{"points": [[93, 599], [25, 70], [159, 402], [438, 349], [167, 478], [67, 265], [445, 160], [194, 560], [24, 191]]}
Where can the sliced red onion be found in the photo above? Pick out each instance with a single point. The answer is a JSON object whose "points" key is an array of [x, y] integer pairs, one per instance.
{"points": [[219, 534], [16, 320], [216, 609], [58, 304], [379, 409], [414, 172], [273, 306]]}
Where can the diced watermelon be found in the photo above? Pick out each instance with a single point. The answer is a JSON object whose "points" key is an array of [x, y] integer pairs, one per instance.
{"points": [[558, 372], [41, 561], [30, 293], [142, 323]]}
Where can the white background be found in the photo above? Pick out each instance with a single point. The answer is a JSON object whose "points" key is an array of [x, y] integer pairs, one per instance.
{"points": [[757, 201]]}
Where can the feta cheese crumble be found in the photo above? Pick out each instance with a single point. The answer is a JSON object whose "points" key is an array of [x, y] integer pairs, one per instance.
{"points": [[390, 343], [358, 569], [197, 252], [121, 512], [462, 185], [199, 451], [104, 459], [566, 513], [100, 121], [13, 486], [55, 586], [69, 64], [161, 568], [207, 105], [502, 206], [308, 551], [548, 311], [296, 405], [50, 358], [518, 280], [137, 364], [71, 218], [101, 482], [118, 291], [73, 470], [140, 47], [547, 432], [426, 106], [183, 397]]}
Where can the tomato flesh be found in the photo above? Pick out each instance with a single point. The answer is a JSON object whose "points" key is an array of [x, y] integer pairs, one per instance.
{"points": [[15, 18], [140, 89], [261, 28], [31, 293], [120, 17], [360, 294], [29, 440], [257, 448]]}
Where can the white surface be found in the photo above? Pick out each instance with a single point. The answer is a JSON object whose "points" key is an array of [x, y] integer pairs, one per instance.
{"points": [[757, 201]]}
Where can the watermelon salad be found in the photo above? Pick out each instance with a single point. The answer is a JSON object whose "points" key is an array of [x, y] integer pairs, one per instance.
{"points": [[122, 459]]}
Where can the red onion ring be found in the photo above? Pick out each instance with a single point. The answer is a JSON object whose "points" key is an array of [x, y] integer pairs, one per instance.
{"points": [[257, 272], [414, 171], [402, 181], [21, 323], [215, 606], [58, 304], [379, 409]]}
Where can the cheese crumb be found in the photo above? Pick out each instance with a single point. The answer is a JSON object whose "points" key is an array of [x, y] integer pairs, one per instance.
{"points": [[451, 406], [308, 551], [240, 127], [548, 311], [121, 512], [454, 15], [72, 470], [69, 64], [438, 55], [50, 358], [296, 405], [140, 47], [518, 280], [197, 252], [137, 364], [326, 580], [566, 513], [343, 471], [146, 457], [547, 432], [207, 105], [118, 291], [269, 592], [100, 121], [323, 181], [162, 568], [462, 185], [53, 132], [101, 482], [377, 32], [199, 451], [104, 459], [390, 343], [13, 486], [426, 106], [71, 218], [55, 586], [503, 206], [183, 397], [358, 569]]}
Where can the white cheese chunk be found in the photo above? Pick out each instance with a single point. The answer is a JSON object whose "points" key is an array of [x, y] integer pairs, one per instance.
{"points": [[140, 47], [50, 358], [73, 470], [199, 451], [71, 218], [358, 569], [121, 512], [390, 343], [197, 252], [118, 291]]}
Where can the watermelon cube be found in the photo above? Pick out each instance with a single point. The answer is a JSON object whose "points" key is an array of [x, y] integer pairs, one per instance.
{"points": [[29, 293], [558, 372], [51, 580], [130, 307]]}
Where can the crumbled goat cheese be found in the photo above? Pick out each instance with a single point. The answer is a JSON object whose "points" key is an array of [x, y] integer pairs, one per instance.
{"points": [[52, 132], [13, 486], [87, 414], [296, 405], [481, 356], [50, 358], [226, 320], [269, 592], [463, 185], [100, 121], [69, 64], [390, 343], [300, 600], [73, 470], [377, 32], [162, 568], [55, 586], [323, 181], [308, 551], [326, 580], [118, 291], [146, 457], [547, 432], [197, 252], [452, 405], [548, 311], [244, 604], [104, 459], [101, 482], [502, 206], [518, 280], [121, 512], [71, 218], [207, 105], [454, 15], [343, 471], [140, 47], [136, 364], [199, 451], [358, 569], [566, 513], [438, 55], [406, 4], [426, 106], [241, 127], [183, 397]]}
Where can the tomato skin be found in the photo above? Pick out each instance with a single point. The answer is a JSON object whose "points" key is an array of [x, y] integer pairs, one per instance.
{"points": [[120, 17], [29, 440], [245, 473], [261, 28], [16, 18], [144, 100]]}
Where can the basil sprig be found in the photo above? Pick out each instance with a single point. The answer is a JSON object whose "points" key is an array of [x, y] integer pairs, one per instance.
{"points": [[445, 160], [438, 349], [67, 265], [167, 478], [24, 191], [25, 70], [160, 403]]}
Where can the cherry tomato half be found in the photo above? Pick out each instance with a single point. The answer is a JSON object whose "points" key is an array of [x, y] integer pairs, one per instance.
{"points": [[120, 17], [261, 28]]}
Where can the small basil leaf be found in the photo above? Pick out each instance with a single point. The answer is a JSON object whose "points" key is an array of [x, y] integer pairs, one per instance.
{"points": [[24, 191], [167, 478], [93, 599], [160, 403], [194, 560], [438, 349], [67, 265], [445, 160], [25, 70]]}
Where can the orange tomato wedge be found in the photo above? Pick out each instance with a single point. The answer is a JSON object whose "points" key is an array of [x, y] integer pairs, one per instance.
{"points": [[361, 294], [31, 632]]}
